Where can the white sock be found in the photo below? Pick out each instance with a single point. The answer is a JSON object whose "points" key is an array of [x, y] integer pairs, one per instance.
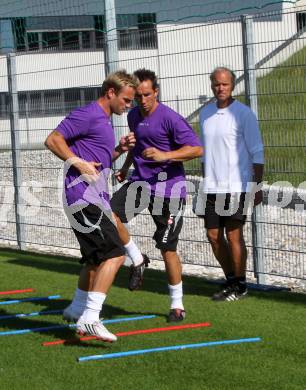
{"points": [[94, 305], [134, 252], [176, 296], [78, 303]]}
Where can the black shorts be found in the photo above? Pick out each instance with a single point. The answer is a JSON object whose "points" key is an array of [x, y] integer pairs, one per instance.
{"points": [[131, 199], [221, 208], [97, 235]]}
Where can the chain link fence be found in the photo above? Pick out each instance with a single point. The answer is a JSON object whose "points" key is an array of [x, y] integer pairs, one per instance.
{"points": [[54, 71]]}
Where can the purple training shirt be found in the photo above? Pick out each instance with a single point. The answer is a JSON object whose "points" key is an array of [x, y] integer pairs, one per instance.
{"points": [[89, 134], [165, 130]]}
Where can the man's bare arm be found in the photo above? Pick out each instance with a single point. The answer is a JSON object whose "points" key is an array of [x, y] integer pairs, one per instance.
{"points": [[57, 144], [185, 153], [126, 143], [122, 173]]}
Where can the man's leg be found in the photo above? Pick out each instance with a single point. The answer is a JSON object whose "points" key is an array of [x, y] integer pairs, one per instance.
{"points": [[74, 311], [173, 266], [103, 254], [89, 322], [221, 249], [175, 285], [234, 234], [223, 254], [126, 203], [214, 224], [168, 227]]}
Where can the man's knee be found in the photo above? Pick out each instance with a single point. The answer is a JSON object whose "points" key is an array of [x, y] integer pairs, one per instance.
{"points": [[214, 236], [170, 255], [115, 262], [234, 232]]}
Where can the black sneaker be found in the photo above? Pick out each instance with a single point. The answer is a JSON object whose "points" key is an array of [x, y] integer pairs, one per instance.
{"points": [[230, 293], [176, 315], [136, 274]]}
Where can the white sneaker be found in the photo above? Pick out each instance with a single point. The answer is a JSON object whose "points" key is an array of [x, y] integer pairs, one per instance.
{"points": [[95, 329], [69, 315]]}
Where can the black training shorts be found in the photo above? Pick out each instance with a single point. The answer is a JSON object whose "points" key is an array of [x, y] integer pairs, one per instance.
{"points": [[97, 235], [131, 199], [221, 208]]}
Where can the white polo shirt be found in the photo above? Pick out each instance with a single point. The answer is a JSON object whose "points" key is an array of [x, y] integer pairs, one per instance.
{"points": [[232, 144]]}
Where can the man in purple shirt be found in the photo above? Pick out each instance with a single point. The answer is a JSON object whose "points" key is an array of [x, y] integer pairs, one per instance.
{"points": [[85, 140], [163, 141]]}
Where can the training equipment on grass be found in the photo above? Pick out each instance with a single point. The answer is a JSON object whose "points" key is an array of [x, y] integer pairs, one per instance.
{"points": [[129, 333], [55, 327], [33, 314], [9, 292], [163, 349], [13, 301]]}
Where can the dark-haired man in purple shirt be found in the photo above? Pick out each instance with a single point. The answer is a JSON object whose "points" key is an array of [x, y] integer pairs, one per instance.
{"points": [[85, 140], [163, 141]]}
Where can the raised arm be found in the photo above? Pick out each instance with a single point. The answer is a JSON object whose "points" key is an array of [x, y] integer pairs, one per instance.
{"points": [[126, 143]]}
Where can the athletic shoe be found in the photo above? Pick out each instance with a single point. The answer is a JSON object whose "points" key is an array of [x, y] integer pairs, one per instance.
{"points": [[136, 274], [95, 329], [230, 293], [69, 315], [176, 315]]}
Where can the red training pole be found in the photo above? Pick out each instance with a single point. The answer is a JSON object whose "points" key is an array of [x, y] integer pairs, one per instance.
{"points": [[129, 333], [16, 291]]}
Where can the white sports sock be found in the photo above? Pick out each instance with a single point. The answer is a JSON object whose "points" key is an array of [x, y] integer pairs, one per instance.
{"points": [[176, 296], [78, 303], [134, 252], [94, 305]]}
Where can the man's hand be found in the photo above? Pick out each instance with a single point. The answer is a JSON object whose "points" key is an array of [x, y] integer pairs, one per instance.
{"points": [[127, 142], [121, 175], [88, 169], [154, 154]]}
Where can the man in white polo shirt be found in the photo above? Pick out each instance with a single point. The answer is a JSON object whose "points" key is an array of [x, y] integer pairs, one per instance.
{"points": [[233, 163]]}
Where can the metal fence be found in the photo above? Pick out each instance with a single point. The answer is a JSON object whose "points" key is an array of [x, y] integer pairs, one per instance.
{"points": [[40, 83]]}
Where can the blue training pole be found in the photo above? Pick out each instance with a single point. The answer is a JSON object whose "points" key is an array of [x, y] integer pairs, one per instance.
{"points": [[33, 314], [47, 328], [163, 349], [30, 299]]}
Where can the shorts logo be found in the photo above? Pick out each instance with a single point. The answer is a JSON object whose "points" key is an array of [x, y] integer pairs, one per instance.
{"points": [[170, 222]]}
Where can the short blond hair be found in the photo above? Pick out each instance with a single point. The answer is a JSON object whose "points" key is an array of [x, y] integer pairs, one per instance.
{"points": [[118, 80]]}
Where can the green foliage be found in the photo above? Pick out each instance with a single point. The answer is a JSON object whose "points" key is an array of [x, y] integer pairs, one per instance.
{"points": [[275, 363], [282, 115]]}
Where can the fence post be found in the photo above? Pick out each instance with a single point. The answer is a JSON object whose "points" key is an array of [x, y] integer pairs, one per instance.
{"points": [[111, 58], [251, 100], [16, 150]]}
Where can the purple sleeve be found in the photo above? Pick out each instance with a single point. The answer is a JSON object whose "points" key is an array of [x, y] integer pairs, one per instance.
{"points": [[75, 124], [183, 133]]}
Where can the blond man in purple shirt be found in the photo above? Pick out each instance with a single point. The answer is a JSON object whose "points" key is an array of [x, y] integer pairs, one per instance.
{"points": [[85, 141]]}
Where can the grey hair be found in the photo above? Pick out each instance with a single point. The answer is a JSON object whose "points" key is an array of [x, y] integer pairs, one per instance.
{"points": [[223, 69]]}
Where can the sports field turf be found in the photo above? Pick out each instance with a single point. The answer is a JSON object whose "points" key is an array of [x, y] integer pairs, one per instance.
{"points": [[277, 362]]}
